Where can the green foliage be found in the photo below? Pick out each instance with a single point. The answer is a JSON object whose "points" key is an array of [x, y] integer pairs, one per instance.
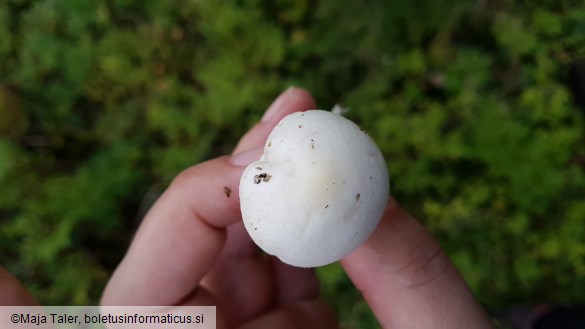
{"points": [[102, 100]]}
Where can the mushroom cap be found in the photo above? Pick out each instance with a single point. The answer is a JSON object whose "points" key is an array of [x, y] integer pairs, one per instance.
{"points": [[318, 191]]}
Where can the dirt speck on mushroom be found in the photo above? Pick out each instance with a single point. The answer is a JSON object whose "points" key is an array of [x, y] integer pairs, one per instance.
{"points": [[263, 177], [227, 191]]}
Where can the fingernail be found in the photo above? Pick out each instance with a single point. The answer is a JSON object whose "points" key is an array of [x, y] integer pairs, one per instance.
{"points": [[244, 158], [277, 104]]}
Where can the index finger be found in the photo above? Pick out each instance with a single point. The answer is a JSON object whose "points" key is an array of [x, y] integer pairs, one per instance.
{"points": [[179, 238]]}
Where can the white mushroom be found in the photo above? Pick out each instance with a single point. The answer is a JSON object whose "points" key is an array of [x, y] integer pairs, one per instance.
{"points": [[317, 192]]}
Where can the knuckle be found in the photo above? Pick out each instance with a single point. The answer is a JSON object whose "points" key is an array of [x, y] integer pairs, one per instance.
{"points": [[426, 263]]}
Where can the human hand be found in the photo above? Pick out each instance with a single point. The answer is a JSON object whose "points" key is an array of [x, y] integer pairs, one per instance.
{"points": [[403, 273], [192, 248]]}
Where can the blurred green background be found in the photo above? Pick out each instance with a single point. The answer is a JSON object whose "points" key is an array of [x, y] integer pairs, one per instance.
{"points": [[102, 102]]}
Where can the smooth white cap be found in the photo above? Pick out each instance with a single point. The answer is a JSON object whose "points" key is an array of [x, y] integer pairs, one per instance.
{"points": [[318, 191]]}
